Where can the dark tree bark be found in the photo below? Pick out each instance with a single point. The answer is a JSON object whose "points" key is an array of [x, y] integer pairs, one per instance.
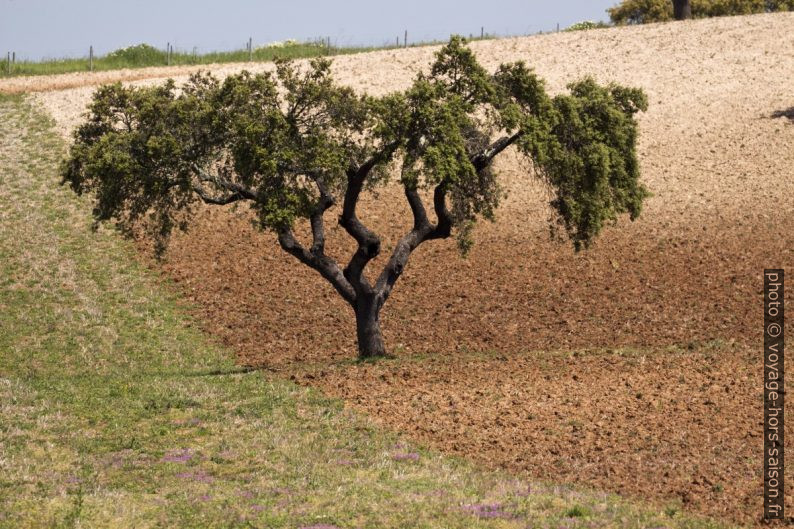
{"points": [[682, 9], [370, 340], [367, 299]]}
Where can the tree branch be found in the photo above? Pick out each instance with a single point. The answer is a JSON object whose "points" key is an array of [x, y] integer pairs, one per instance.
{"points": [[482, 159], [327, 267], [224, 183], [369, 243], [418, 209], [423, 230], [443, 227], [216, 201], [318, 231]]}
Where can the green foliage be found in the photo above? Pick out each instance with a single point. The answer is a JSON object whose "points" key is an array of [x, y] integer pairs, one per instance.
{"points": [[585, 25], [590, 159], [137, 56], [275, 139], [144, 55], [641, 11], [645, 11]]}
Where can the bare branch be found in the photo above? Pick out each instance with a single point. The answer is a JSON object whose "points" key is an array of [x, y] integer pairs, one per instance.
{"points": [[368, 242], [422, 231], [216, 201], [483, 158], [223, 183], [318, 231], [379, 157], [443, 228], [418, 209], [327, 267]]}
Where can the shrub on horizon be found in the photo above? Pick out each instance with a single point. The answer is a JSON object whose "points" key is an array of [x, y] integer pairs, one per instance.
{"points": [[585, 25], [647, 11], [138, 55]]}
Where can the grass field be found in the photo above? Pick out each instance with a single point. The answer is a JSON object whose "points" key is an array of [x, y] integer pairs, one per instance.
{"points": [[115, 411], [144, 56]]}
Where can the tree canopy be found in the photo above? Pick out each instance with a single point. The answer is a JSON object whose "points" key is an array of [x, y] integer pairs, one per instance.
{"points": [[293, 144], [646, 11]]}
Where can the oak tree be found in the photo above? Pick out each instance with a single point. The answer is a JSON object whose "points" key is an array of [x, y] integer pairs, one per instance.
{"points": [[295, 145]]}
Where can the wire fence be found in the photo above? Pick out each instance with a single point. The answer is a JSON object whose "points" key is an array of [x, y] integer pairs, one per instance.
{"points": [[318, 46]]}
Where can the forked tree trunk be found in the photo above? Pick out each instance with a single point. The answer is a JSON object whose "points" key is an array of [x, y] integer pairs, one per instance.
{"points": [[682, 9], [370, 340]]}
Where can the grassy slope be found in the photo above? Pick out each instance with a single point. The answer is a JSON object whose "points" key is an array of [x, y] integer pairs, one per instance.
{"points": [[58, 66], [159, 58], [115, 412]]}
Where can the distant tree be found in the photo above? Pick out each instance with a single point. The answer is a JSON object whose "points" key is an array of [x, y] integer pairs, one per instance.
{"points": [[641, 11], [294, 145], [645, 11], [682, 9]]}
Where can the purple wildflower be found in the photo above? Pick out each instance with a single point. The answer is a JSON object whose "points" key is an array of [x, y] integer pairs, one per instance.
{"points": [[178, 456], [568, 522], [523, 493], [487, 510], [200, 476]]}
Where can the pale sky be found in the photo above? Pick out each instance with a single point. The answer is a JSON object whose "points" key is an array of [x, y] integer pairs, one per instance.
{"points": [[37, 29]]}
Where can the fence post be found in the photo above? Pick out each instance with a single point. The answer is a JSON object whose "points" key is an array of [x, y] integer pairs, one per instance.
{"points": [[406, 38], [91, 58], [558, 27], [168, 54], [8, 63], [250, 49], [482, 32]]}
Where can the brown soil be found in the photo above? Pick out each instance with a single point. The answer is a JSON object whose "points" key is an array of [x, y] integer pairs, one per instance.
{"points": [[664, 401]]}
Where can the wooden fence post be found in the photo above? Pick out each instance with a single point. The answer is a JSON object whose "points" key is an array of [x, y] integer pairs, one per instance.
{"points": [[91, 58], [482, 32], [8, 63], [250, 49], [406, 38], [168, 54]]}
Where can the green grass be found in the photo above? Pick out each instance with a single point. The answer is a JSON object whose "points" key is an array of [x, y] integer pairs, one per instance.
{"points": [[139, 57], [116, 412], [143, 56]]}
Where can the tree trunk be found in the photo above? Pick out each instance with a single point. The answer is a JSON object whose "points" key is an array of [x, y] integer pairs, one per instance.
{"points": [[370, 340], [682, 9]]}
